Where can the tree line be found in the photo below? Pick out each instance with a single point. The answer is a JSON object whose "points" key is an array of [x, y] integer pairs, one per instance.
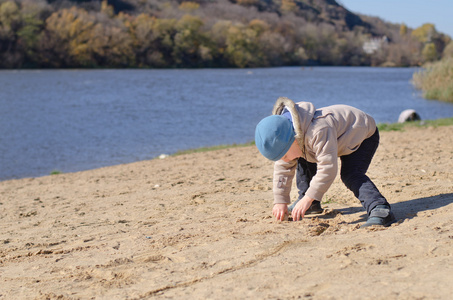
{"points": [[174, 34]]}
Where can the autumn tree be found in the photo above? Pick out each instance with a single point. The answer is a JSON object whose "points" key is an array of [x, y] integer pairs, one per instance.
{"points": [[75, 37], [67, 39], [429, 52], [243, 48], [29, 34], [153, 40], [448, 51], [10, 21], [425, 33], [190, 43], [188, 6], [288, 6], [433, 41], [403, 29]]}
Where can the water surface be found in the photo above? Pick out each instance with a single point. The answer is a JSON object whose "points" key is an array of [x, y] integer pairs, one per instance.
{"points": [[71, 120]]}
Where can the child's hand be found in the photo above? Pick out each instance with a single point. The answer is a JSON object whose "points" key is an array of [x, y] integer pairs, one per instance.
{"points": [[280, 210], [301, 207]]}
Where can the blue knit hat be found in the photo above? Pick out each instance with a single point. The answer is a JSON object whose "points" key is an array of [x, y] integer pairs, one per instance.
{"points": [[274, 135]]}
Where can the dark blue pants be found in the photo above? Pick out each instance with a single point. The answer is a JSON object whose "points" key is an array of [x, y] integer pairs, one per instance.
{"points": [[353, 169]]}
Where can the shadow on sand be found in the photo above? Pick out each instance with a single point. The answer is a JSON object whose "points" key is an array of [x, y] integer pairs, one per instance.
{"points": [[408, 209]]}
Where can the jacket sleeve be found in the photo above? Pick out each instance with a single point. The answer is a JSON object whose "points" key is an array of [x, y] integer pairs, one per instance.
{"points": [[325, 148], [283, 178]]}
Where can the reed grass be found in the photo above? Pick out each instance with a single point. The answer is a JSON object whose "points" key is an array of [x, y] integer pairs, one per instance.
{"points": [[436, 80]]}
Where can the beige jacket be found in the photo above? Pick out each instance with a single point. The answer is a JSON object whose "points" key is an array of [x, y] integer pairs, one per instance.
{"points": [[323, 135]]}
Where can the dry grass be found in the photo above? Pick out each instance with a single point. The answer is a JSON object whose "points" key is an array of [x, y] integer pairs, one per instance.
{"points": [[436, 80]]}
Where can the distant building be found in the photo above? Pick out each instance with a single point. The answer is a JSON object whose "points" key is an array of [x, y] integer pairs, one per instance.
{"points": [[374, 44]]}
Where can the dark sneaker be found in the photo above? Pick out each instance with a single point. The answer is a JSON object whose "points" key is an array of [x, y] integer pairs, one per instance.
{"points": [[315, 207], [381, 215]]}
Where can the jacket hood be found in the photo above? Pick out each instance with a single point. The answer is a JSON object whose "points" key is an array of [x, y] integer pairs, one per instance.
{"points": [[302, 114]]}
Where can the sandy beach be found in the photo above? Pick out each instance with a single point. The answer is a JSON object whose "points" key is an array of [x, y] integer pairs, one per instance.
{"points": [[200, 226]]}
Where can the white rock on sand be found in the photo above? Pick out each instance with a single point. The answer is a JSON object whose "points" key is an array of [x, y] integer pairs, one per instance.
{"points": [[200, 226]]}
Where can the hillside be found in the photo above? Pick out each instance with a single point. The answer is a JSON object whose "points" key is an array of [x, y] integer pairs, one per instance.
{"points": [[205, 33], [318, 11]]}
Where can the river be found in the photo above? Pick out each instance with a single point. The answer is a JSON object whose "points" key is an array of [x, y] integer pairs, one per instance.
{"points": [[72, 120]]}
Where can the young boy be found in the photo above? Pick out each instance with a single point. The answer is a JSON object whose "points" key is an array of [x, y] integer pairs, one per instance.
{"points": [[298, 136]]}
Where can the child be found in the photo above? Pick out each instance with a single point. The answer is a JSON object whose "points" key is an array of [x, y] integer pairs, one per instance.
{"points": [[298, 136]]}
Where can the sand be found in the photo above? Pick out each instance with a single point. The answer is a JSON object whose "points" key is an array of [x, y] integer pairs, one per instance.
{"points": [[200, 226]]}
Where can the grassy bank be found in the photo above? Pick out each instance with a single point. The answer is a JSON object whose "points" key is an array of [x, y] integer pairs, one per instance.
{"points": [[436, 80], [212, 148], [423, 123]]}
